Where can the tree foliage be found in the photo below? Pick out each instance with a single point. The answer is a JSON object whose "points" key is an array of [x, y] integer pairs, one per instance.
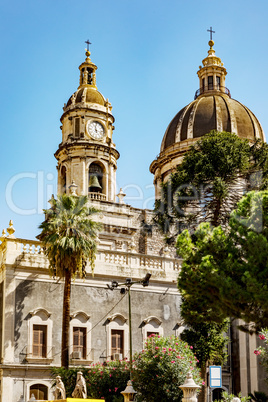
{"points": [[162, 367], [209, 341], [226, 272], [210, 181], [68, 234]]}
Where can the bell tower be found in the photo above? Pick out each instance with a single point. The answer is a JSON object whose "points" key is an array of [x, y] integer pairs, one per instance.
{"points": [[87, 156]]}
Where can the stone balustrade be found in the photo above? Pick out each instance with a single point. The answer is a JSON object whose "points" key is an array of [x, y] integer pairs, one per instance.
{"points": [[30, 254], [97, 196]]}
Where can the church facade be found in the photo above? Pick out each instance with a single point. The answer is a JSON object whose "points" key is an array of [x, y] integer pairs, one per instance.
{"points": [[130, 246]]}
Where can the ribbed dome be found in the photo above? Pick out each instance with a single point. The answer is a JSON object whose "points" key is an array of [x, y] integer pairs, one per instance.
{"points": [[212, 109], [88, 95], [208, 112]]}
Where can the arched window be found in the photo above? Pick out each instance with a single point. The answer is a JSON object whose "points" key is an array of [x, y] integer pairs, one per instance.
{"points": [[80, 338], [151, 325], [95, 179], [39, 391], [63, 179], [39, 348], [117, 337]]}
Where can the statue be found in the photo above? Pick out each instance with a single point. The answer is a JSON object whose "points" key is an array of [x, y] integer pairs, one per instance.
{"points": [[80, 390], [60, 389]]}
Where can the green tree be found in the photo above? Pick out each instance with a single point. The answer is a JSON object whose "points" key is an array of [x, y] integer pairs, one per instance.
{"points": [[210, 181], [162, 367], [229, 268], [206, 187], [69, 238]]}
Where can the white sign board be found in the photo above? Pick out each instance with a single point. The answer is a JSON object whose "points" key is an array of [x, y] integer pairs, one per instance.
{"points": [[215, 376]]}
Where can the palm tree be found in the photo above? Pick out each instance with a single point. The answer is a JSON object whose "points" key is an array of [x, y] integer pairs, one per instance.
{"points": [[69, 238]]}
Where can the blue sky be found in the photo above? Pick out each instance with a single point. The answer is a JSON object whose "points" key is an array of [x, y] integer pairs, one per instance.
{"points": [[147, 53]]}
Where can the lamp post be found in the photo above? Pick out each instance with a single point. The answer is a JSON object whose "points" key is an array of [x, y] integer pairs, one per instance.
{"points": [[125, 286], [129, 392]]}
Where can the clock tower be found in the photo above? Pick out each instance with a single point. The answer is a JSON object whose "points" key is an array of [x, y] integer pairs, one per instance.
{"points": [[87, 157]]}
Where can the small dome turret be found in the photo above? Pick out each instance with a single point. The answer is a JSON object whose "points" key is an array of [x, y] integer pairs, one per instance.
{"points": [[87, 91]]}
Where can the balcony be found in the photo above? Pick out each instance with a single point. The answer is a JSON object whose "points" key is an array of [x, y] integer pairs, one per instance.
{"points": [[97, 196], [212, 88]]}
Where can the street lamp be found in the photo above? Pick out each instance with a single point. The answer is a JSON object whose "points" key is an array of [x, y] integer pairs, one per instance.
{"points": [[129, 392], [125, 286]]}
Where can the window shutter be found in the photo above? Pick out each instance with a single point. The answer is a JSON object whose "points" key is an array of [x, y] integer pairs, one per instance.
{"points": [[79, 341], [40, 341], [117, 340]]}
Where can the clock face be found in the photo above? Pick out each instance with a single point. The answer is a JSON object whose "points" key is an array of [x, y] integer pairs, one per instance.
{"points": [[95, 129]]}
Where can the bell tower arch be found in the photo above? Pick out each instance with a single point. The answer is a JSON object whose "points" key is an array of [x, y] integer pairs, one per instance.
{"points": [[87, 156]]}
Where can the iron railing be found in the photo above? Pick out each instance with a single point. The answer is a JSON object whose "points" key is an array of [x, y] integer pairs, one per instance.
{"points": [[214, 88]]}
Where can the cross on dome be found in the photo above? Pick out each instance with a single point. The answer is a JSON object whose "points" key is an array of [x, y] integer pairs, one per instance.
{"points": [[211, 32]]}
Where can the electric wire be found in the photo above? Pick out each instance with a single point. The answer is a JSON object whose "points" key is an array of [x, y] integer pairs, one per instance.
{"points": [[98, 322]]}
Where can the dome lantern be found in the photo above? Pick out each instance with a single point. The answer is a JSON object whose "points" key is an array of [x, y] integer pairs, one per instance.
{"points": [[87, 72], [212, 74]]}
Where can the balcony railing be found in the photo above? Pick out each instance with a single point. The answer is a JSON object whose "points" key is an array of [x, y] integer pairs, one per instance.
{"points": [[97, 196], [211, 88]]}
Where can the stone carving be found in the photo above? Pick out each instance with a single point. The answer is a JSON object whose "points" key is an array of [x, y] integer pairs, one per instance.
{"points": [[80, 390], [60, 389], [73, 97]]}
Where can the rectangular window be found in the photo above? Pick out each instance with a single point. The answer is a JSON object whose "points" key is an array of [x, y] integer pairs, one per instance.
{"points": [[40, 341], [218, 82], [77, 127], [117, 344], [210, 82], [79, 343]]}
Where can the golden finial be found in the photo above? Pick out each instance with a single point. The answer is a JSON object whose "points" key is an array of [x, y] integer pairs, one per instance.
{"points": [[211, 44], [11, 230], [4, 233]]}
